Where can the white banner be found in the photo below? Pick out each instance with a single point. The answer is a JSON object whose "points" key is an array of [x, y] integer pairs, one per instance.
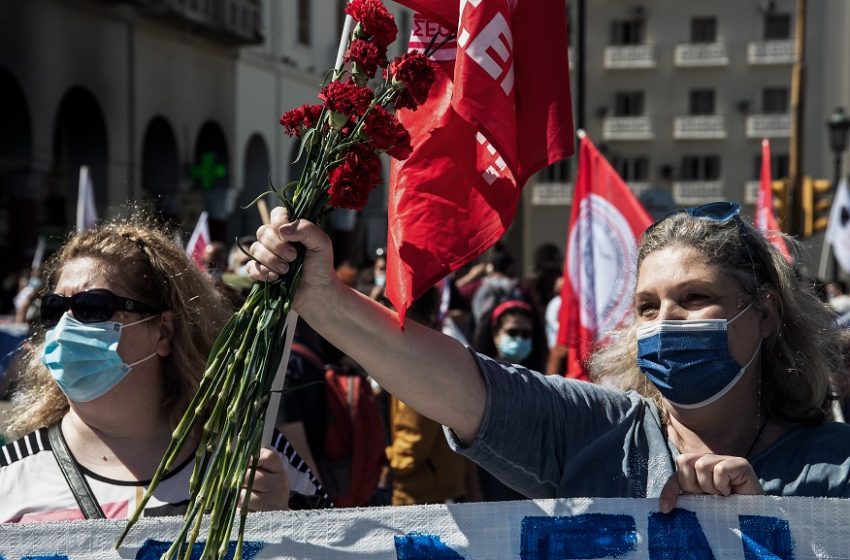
{"points": [[738, 527]]}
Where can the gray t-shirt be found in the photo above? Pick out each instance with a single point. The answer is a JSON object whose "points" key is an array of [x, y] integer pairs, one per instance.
{"points": [[551, 437]]}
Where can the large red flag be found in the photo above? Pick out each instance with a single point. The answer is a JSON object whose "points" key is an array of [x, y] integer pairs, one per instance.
{"points": [[498, 112], [199, 240], [765, 220], [606, 221]]}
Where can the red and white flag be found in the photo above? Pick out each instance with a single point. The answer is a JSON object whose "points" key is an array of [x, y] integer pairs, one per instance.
{"points": [[498, 112], [199, 240], [86, 210], [765, 219], [606, 221]]}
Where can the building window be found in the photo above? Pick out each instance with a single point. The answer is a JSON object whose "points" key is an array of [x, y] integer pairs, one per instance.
{"points": [[304, 21], [628, 104], [777, 27], [778, 166], [704, 30], [633, 169], [701, 102], [774, 100], [558, 172], [700, 168], [627, 32]]}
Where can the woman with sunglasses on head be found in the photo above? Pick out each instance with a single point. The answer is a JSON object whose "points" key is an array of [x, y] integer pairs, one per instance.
{"points": [[726, 367], [128, 322]]}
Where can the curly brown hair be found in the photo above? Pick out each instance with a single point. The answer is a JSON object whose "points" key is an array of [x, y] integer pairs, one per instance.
{"points": [[139, 254]]}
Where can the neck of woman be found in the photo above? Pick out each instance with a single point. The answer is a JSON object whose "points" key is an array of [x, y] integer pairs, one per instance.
{"points": [[722, 433]]}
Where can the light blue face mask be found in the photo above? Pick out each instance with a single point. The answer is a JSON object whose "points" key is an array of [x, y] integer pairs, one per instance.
{"points": [[83, 357], [689, 361], [514, 348]]}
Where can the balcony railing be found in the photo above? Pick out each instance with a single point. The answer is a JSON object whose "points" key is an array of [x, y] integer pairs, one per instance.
{"points": [[690, 193], [698, 54], [235, 22], [699, 127], [629, 56], [628, 128], [771, 52], [769, 126], [552, 194]]}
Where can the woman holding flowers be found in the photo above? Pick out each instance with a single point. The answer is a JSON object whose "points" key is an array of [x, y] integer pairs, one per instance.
{"points": [[726, 368], [128, 322]]}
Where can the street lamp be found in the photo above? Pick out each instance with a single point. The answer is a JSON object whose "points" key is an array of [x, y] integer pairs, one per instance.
{"points": [[839, 131]]}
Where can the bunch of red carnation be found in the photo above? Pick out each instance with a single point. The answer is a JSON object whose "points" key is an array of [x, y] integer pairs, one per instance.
{"points": [[352, 123]]}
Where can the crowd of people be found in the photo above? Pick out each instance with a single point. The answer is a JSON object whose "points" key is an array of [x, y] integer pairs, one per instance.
{"points": [[726, 378]]}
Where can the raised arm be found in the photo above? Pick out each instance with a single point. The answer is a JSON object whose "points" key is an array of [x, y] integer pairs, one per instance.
{"points": [[429, 371]]}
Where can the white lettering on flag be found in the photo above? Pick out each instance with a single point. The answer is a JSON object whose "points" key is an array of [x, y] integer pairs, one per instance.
{"points": [[497, 168], [491, 49]]}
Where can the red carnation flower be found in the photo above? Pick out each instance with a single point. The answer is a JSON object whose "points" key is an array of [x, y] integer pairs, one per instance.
{"points": [[352, 180], [413, 75], [346, 98], [367, 56], [299, 120], [375, 21], [387, 133]]}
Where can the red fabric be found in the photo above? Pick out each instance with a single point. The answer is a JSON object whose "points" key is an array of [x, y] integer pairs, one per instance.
{"points": [[765, 220], [198, 241], [499, 111], [606, 221]]}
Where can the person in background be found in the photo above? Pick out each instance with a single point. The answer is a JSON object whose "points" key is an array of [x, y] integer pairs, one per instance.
{"points": [[539, 284], [215, 259], [724, 372], [127, 324], [499, 285], [511, 332], [379, 275], [838, 300], [424, 468]]}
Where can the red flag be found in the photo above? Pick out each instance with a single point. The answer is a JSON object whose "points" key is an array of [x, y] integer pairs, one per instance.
{"points": [[606, 221], [498, 112], [765, 220], [198, 241]]}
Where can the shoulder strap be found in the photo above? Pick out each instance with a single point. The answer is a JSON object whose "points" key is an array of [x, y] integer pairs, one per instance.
{"points": [[76, 482]]}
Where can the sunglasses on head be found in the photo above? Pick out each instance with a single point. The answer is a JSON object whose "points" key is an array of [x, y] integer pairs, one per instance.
{"points": [[718, 212], [711, 212], [92, 306]]}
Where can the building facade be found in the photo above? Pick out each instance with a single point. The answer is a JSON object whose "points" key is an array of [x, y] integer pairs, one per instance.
{"points": [[175, 101], [678, 95]]}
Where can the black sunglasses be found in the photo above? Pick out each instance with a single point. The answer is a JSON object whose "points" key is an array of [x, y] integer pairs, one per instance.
{"points": [[518, 333], [93, 306]]}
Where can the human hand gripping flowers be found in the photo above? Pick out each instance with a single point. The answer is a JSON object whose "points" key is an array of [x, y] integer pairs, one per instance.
{"points": [[341, 140]]}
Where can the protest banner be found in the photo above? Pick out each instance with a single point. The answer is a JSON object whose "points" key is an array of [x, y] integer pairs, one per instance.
{"points": [[737, 527]]}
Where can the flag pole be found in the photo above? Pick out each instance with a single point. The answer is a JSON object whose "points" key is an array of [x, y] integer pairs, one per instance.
{"points": [[292, 317]]}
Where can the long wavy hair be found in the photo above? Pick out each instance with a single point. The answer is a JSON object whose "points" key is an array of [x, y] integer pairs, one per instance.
{"points": [[799, 362], [139, 254]]}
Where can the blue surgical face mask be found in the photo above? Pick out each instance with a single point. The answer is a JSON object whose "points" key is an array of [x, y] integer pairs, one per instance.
{"points": [[689, 361], [380, 280], [514, 348], [83, 357]]}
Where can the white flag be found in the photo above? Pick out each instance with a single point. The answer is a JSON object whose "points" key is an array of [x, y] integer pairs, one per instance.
{"points": [[199, 240], [838, 230], [86, 212]]}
